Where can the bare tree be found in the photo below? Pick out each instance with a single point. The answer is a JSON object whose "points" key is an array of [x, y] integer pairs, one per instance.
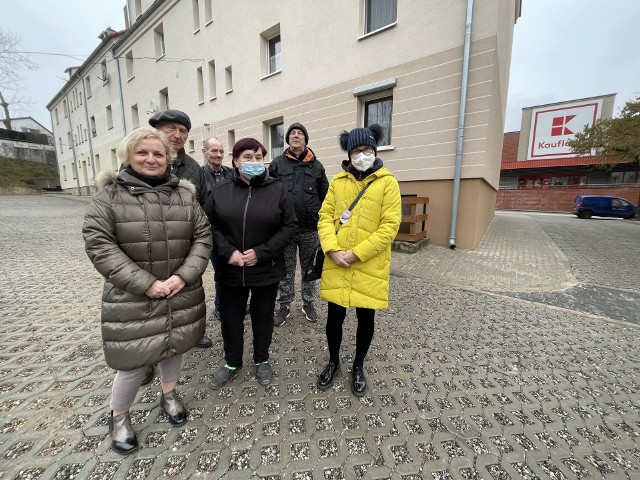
{"points": [[12, 62]]}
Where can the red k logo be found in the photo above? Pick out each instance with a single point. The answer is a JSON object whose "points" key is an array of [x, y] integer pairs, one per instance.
{"points": [[559, 126]]}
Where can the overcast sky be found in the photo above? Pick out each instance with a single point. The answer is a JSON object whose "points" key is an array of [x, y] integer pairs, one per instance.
{"points": [[562, 50]]}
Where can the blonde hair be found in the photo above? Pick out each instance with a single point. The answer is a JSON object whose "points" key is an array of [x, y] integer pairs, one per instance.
{"points": [[130, 142]]}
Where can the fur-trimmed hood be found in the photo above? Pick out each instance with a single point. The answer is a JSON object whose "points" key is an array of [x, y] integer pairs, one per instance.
{"points": [[109, 177]]}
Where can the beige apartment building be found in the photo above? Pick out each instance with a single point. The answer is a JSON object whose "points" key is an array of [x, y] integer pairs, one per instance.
{"points": [[252, 67]]}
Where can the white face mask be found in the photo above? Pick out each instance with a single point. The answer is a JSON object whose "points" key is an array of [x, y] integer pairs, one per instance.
{"points": [[362, 161]]}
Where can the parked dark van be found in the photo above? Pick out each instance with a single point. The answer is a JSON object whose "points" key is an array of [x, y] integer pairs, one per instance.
{"points": [[586, 206]]}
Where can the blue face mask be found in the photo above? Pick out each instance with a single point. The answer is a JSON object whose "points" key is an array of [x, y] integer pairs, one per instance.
{"points": [[252, 169]]}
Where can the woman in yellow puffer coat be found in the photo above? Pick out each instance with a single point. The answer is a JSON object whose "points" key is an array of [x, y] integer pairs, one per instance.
{"points": [[357, 256]]}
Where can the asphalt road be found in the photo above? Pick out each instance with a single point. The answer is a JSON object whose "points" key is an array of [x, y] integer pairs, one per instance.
{"points": [[604, 255]]}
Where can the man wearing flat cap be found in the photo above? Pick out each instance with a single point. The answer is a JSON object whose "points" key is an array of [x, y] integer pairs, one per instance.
{"points": [[305, 179], [176, 125]]}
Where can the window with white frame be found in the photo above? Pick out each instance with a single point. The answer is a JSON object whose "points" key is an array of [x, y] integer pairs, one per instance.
{"points": [[200, 85], [208, 11], [114, 159], [276, 140], [196, 15], [135, 117], [109, 118], [375, 105], [129, 65], [137, 8], [228, 79], [92, 125], [272, 47], [158, 36], [56, 115], [96, 162], [379, 14], [164, 99], [212, 79], [231, 138], [103, 72], [379, 109], [87, 86]]}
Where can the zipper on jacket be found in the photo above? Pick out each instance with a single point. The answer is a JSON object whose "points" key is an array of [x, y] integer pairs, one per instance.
{"points": [[244, 227], [166, 242]]}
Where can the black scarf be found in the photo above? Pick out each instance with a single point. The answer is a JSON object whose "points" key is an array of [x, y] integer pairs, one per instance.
{"points": [[151, 180]]}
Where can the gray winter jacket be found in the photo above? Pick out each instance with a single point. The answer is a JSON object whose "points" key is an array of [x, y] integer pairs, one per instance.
{"points": [[135, 234]]}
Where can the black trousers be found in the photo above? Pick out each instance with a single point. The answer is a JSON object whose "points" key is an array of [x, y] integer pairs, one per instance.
{"points": [[233, 306], [364, 334]]}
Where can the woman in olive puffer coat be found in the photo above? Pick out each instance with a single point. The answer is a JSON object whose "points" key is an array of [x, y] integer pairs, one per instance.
{"points": [[147, 235]]}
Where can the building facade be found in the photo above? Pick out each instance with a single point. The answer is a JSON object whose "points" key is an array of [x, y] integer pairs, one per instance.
{"points": [[27, 140], [540, 172], [251, 68]]}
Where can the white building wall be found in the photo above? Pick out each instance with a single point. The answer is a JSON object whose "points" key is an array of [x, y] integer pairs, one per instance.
{"points": [[77, 145], [325, 58]]}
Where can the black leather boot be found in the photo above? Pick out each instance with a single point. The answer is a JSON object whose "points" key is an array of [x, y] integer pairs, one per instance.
{"points": [[174, 407], [325, 380], [359, 382], [123, 438], [205, 342]]}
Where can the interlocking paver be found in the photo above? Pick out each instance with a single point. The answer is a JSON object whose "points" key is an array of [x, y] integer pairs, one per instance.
{"points": [[480, 368]]}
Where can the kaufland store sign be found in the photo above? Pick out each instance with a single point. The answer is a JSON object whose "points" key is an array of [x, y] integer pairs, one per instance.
{"points": [[553, 126]]}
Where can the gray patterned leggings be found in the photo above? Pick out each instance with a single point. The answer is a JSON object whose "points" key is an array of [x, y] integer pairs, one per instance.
{"points": [[127, 383], [304, 243]]}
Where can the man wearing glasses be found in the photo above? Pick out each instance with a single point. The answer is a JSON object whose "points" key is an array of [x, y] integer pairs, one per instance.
{"points": [[176, 125]]}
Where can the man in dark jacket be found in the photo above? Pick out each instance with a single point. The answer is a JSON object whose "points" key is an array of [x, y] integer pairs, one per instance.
{"points": [[214, 171], [176, 125], [307, 184]]}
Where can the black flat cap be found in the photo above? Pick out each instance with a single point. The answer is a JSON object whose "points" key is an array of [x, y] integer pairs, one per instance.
{"points": [[171, 115]]}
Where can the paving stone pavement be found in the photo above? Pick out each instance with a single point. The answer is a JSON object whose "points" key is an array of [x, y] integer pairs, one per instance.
{"points": [[467, 381]]}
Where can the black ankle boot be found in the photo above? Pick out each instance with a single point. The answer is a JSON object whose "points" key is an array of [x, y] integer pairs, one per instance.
{"points": [[359, 382], [123, 438], [174, 407], [325, 380]]}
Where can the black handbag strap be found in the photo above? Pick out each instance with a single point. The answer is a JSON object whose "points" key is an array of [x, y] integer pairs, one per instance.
{"points": [[353, 204]]}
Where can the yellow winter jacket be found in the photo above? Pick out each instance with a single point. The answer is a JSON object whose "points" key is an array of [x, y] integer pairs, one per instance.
{"points": [[373, 225]]}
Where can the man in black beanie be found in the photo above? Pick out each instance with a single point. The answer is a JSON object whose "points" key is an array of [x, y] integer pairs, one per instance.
{"points": [[305, 179], [176, 126]]}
